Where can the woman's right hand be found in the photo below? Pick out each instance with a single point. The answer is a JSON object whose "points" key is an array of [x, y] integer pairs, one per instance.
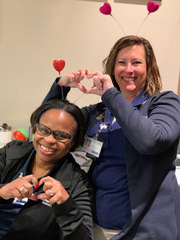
{"points": [[74, 78], [19, 188]]}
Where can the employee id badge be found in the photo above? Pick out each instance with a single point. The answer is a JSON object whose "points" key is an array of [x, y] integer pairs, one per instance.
{"points": [[17, 202], [92, 146]]}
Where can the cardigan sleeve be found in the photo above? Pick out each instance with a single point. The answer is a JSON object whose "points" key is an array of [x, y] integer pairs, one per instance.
{"points": [[56, 91], [153, 132]]}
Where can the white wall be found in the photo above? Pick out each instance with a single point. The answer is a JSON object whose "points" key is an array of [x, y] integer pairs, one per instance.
{"points": [[33, 33]]}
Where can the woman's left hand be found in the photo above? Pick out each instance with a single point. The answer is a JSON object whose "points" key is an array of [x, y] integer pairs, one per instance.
{"points": [[53, 191], [101, 83]]}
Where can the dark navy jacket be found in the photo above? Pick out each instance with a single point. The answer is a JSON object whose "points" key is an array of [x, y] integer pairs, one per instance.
{"points": [[151, 145], [71, 220]]}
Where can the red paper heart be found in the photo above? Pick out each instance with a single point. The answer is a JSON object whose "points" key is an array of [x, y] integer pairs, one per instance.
{"points": [[152, 6], [105, 9], [59, 65]]}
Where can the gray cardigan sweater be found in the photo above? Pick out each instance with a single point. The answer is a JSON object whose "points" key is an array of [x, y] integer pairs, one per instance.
{"points": [[152, 135]]}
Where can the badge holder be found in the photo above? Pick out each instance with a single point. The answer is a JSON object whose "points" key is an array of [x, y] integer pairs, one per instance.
{"points": [[93, 146], [17, 202]]}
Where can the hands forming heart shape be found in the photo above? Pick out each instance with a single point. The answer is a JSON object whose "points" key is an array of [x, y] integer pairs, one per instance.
{"points": [[100, 82]]}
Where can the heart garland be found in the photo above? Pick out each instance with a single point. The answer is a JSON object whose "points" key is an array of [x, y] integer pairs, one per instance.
{"points": [[59, 65]]}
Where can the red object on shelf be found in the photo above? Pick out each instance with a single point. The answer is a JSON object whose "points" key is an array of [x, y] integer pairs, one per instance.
{"points": [[19, 135]]}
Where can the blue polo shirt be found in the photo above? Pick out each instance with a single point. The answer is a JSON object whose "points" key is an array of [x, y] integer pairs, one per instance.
{"points": [[109, 174]]}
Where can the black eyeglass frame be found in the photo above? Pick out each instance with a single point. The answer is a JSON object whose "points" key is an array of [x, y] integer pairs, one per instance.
{"points": [[69, 136]]}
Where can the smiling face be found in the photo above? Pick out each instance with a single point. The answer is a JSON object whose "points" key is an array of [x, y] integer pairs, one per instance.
{"points": [[48, 149], [130, 70]]}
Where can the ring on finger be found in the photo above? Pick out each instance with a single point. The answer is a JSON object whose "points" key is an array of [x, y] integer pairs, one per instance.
{"points": [[50, 192], [21, 189]]}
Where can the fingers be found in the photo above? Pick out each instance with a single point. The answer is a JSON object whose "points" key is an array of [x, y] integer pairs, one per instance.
{"points": [[53, 191], [31, 179], [81, 73], [34, 181], [25, 191], [86, 72], [92, 74], [94, 91], [101, 82], [19, 188], [71, 79], [33, 197], [48, 188], [46, 180], [98, 84], [25, 185], [82, 88]]}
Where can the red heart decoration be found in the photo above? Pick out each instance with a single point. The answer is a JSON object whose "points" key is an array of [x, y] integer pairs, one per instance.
{"points": [[105, 9], [152, 6], [59, 65]]}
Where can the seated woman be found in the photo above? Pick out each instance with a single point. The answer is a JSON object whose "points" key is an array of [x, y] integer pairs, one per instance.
{"points": [[43, 192]]}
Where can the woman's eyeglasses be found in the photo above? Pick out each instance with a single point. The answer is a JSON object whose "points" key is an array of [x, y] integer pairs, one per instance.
{"points": [[58, 135]]}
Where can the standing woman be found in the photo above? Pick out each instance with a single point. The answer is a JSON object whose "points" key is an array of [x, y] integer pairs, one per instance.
{"points": [[137, 195], [43, 192]]}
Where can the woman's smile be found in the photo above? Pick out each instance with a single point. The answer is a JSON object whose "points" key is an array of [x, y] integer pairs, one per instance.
{"points": [[46, 150], [130, 70]]}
